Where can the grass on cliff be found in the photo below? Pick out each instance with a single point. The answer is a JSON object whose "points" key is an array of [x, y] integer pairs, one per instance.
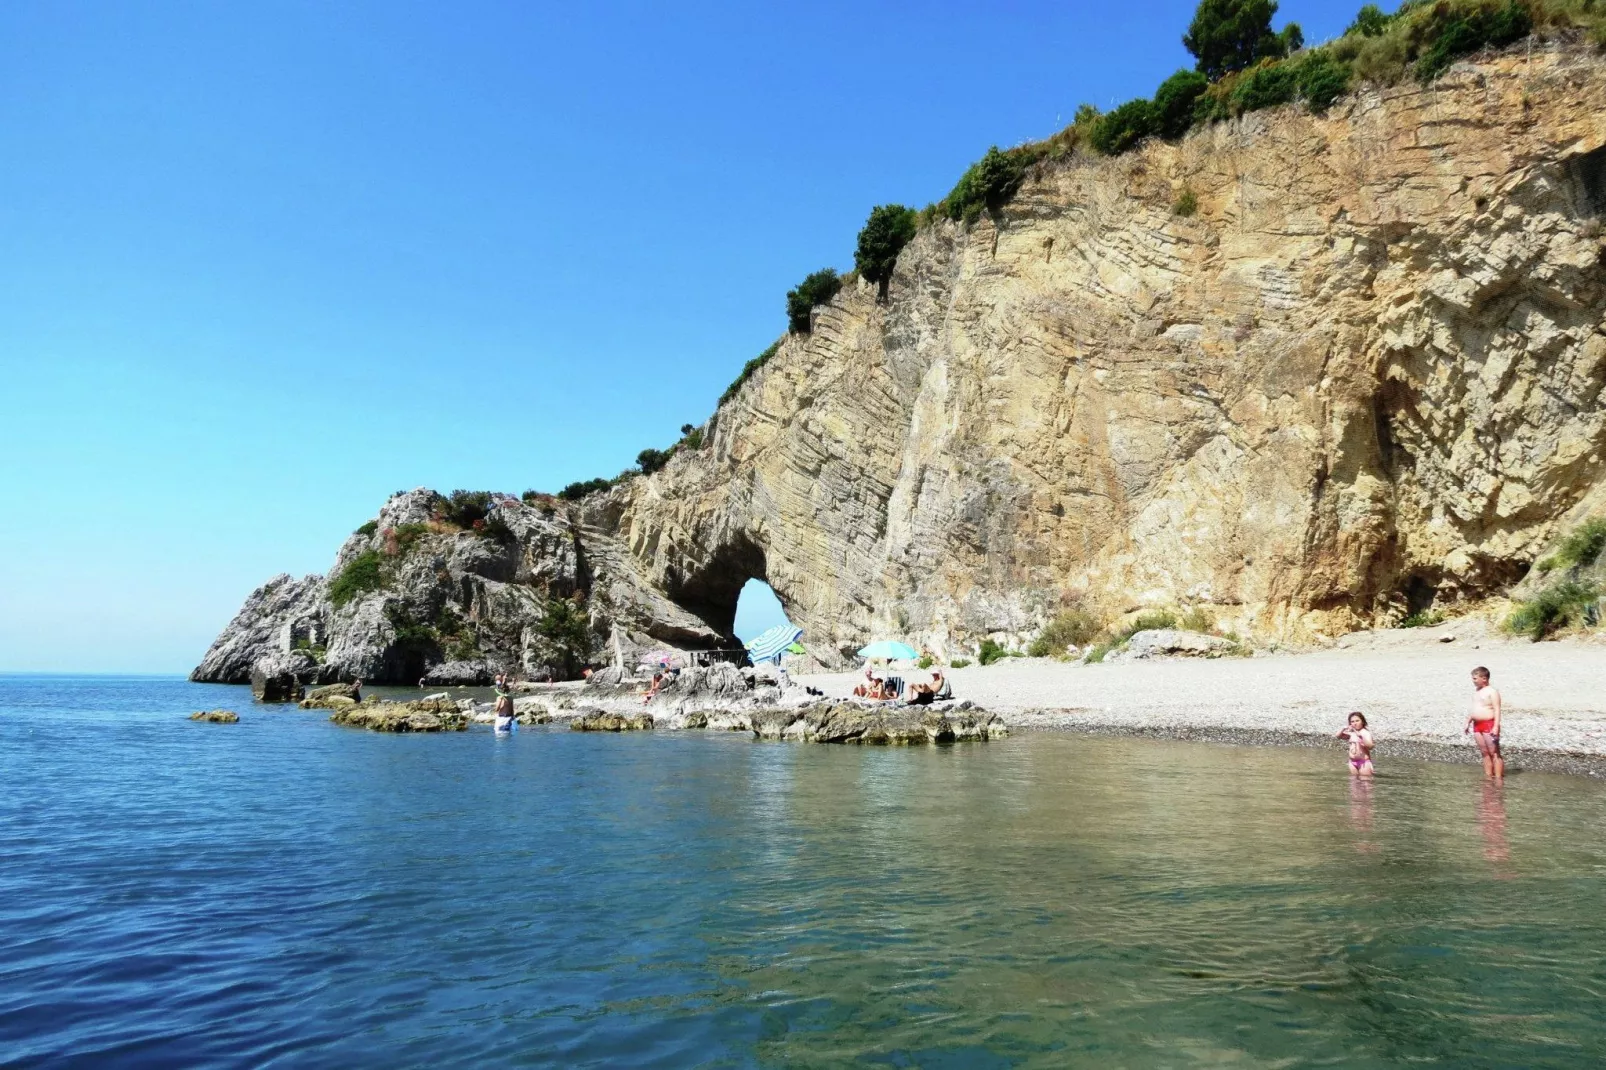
{"points": [[363, 573], [1565, 604], [1580, 549]]}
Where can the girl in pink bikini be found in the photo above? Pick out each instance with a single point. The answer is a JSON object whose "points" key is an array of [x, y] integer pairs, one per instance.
{"points": [[1360, 745]]}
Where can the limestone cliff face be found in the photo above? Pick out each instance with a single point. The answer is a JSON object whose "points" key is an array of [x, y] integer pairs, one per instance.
{"points": [[1365, 374], [1364, 377]]}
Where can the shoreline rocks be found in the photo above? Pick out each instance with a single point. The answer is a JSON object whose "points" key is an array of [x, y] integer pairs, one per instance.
{"points": [[849, 722], [429, 715], [215, 717], [604, 721]]}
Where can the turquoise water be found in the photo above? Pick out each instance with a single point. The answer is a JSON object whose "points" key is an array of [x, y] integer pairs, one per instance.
{"points": [[284, 892]]}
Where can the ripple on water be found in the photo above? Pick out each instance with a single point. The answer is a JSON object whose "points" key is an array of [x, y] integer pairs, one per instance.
{"points": [[287, 892]]}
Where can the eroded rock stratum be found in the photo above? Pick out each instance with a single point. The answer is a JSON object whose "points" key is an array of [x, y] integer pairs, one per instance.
{"points": [[1365, 377]]}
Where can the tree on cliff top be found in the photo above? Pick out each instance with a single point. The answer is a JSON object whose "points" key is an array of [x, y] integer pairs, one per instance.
{"points": [[1229, 35], [817, 289], [885, 233]]}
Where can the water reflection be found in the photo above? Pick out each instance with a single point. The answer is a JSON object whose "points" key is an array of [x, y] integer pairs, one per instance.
{"points": [[1360, 814], [1492, 823]]}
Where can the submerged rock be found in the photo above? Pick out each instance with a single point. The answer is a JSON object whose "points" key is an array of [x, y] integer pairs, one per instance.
{"points": [[216, 716], [434, 715], [849, 722], [603, 721]]}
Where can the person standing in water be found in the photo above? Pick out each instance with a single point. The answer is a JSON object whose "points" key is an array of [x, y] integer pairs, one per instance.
{"points": [[504, 704], [1360, 744], [1484, 724]]}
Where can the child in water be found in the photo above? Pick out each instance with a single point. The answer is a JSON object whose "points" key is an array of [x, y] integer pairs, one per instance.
{"points": [[1360, 745]]}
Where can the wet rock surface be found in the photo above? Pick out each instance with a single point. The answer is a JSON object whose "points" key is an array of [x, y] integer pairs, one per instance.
{"points": [[216, 716], [281, 677], [437, 715], [603, 721]]}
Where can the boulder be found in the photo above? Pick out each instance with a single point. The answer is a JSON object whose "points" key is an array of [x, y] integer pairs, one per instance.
{"points": [[1173, 642], [612, 676], [603, 721], [329, 697], [433, 716], [279, 677], [462, 673], [216, 716]]}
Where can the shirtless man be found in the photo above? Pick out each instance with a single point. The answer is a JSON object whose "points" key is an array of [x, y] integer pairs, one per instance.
{"points": [[1484, 723]]}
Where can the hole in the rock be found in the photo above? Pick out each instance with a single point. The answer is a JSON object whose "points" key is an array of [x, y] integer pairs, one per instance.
{"points": [[757, 610]]}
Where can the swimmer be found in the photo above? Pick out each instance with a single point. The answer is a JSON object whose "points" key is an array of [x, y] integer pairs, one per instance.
{"points": [[1360, 745]]}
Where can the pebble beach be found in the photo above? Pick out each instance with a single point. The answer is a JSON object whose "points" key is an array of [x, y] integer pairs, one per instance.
{"points": [[1413, 685]]}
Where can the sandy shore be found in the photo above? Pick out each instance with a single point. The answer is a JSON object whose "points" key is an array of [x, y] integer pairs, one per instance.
{"points": [[1414, 689]]}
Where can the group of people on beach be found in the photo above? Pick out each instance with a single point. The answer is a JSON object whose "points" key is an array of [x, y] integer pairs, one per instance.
{"points": [[1483, 724], [888, 688]]}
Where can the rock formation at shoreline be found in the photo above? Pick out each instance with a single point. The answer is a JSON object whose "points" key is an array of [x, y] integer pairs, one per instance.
{"points": [[1362, 379]]}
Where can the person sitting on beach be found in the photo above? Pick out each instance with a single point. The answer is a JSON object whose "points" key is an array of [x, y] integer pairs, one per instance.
{"points": [[870, 684], [1360, 744], [926, 694], [1484, 724]]}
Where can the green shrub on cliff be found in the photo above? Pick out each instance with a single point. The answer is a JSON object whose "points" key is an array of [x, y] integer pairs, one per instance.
{"points": [[817, 288], [575, 491], [363, 573], [566, 629], [1174, 102], [1122, 129], [747, 371], [1566, 603], [1580, 549], [882, 238], [368, 528], [651, 460], [1071, 627], [988, 184]]}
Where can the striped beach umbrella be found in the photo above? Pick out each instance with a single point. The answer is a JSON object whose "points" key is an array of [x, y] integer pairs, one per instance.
{"points": [[773, 643]]}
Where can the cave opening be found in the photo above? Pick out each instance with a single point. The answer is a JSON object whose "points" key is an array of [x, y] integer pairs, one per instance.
{"points": [[758, 609], [714, 590]]}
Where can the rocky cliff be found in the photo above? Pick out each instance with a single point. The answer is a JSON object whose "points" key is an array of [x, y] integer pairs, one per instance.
{"points": [[1362, 378]]}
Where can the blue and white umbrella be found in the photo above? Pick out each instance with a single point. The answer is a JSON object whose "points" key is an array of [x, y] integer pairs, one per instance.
{"points": [[773, 643]]}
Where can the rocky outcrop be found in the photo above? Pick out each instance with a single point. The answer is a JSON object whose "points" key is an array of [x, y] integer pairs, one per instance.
{"points": [[423, 716], [216, 716], [280, 677], [603, 721], [1363, 379], [1174, 643], [848, 722], [330, 697]]}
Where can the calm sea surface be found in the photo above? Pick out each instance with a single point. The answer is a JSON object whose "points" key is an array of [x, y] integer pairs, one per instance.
{"points": [[284, 892]]}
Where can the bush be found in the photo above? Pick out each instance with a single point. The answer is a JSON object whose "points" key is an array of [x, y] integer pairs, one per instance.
{"points": [[1424, 618], [1321, 79], [987, 184], [747, 371], [650, 460], [575, 491], [1120, 130], [693, 439], [463, 507], [1197, 619], [402, 537], [1568, 602], [1266, 86], [1071, 627], [926, 661], [882, 238], [1455, 32], [567, 630], [365, 572], [958, 663], [1148, 621], [368, 528], [1230, 35], [1370, 21], [989, 652], [1580, 549], [1174, 102], [1187, 204], [816, 289]]}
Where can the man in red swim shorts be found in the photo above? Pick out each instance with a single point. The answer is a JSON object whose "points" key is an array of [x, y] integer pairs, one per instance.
{"points": [[1484, 723]]}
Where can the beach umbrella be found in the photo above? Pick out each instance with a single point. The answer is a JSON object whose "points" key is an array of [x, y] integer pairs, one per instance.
{"points": [[773, 643], [890, 649]]}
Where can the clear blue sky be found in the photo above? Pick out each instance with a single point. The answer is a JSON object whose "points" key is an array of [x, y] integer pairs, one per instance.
{"points": [[263, 264]]}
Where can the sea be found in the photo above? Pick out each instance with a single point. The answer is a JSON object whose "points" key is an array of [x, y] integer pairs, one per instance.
{"points": [[285, 892]]}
